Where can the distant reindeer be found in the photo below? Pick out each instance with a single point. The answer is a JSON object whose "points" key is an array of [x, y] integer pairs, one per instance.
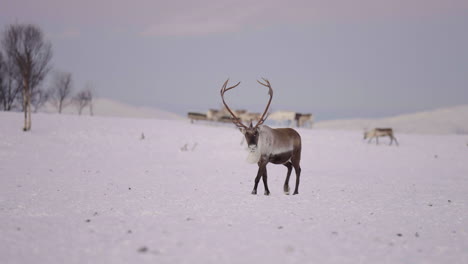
{"points": [[284, 116], [213, 114], [302, 119], [196, 116], [265, 144], [380, 132]]}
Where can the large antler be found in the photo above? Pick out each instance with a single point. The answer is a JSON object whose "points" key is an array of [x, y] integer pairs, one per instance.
{"points": [[235, 119], [270, 92]]}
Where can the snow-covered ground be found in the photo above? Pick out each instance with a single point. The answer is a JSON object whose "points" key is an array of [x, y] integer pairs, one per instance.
{"points": [[80, 189], [449, 120]]}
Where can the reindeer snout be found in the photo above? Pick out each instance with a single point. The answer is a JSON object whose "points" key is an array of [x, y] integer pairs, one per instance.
{"points": [[252, 148]]}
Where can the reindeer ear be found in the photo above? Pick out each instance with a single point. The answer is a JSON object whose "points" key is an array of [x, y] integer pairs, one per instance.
{"points": [[250, 126]]}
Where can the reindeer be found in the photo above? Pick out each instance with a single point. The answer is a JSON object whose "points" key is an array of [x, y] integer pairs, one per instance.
{"points": [[213, 114], [196, 116], [265, 144], [302, 119], [380, 132], [283, 116]]}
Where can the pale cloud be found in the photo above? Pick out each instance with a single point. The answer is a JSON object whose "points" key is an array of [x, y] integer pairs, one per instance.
{"points": [[203, 21], [184, 17], [181, 29], [70, 33], [213, 17]]}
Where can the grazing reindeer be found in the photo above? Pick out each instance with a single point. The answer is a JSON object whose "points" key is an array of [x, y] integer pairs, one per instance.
{"points": [[265, 144], [302, 119], [196, 116], [380, 132]]}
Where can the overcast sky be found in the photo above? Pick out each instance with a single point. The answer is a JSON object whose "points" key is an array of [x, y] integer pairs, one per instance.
{"points": [[336, 59]]}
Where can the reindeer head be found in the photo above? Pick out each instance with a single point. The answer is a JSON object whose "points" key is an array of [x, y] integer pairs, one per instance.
{"points": [[251, 135], [366, 132], [251, 132]]}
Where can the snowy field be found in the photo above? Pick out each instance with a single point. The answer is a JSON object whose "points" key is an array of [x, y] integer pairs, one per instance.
{"points": [[91, 190], [448, 120]]}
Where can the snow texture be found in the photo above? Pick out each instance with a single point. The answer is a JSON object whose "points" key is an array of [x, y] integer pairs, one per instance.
{"points": [[451, 120], [80, 189]]}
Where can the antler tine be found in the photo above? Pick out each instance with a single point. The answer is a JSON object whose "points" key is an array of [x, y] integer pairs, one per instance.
{"points": [[232, 87], [224, 89], [270, 92], [224, 86], [235, 119], [263, 83], [266, 85]]}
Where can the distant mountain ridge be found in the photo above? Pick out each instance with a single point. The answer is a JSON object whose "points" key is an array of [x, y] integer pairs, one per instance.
{"points": [[450, 120], [108, 107]]}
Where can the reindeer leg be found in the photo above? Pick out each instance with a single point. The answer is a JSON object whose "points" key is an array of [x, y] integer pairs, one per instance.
{"points": [[297, 169], [261, 169], [396, 141], [265, 177], [286, 182], [257, 179]]}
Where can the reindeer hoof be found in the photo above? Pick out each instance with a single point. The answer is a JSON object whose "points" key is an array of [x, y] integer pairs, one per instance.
{"points": [[254, 192], [267, 193], [296, 192], [286, 190]]}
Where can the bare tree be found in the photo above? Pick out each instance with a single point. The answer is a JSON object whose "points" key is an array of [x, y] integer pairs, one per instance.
{"points": [[90, 89], [2, 79], [61, 90], [10, 87], [83, 99], [31, 54]]}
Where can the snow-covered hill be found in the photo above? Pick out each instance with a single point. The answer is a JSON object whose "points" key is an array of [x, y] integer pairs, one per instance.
{"points": [[452, 120], [81, 189], [108, 107]]}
